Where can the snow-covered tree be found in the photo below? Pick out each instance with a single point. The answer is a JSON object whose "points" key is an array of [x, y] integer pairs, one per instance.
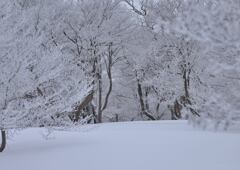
{"points": [[41, 84], [216, 25], [164, 64], [99, 32], [193, 56]]}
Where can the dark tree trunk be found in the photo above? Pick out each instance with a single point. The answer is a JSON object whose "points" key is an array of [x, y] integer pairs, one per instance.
{"points": [[186, 83], [141, 101], [3, 143], [99, 84], [140, 95], [109, 73]]}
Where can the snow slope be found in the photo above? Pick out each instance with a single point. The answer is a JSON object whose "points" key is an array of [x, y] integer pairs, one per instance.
{"points": [[163, 145]]}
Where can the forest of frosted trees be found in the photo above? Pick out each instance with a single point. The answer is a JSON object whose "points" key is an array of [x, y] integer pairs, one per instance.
{"points": [[70, 62]]}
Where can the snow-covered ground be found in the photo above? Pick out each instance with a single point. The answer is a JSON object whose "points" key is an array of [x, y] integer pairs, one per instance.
{"points": [[163, 145]]}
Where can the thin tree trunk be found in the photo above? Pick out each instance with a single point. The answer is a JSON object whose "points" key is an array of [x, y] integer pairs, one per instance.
{"points": [[3, 143], [186, 84], [99, 102], [146, 99], [109, 73], [140, 95], [99, 83]]}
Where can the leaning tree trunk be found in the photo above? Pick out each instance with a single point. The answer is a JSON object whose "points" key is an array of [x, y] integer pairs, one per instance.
{"points": [[3, 143]]}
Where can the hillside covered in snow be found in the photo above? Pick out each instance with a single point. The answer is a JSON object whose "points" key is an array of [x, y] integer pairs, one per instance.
{"points": [[167, 145]]}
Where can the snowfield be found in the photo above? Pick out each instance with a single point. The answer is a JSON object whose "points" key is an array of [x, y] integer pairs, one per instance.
{"points": [[160, 145]]}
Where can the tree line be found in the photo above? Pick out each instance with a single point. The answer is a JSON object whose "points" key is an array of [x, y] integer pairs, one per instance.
{"points": [[65, 63]]}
